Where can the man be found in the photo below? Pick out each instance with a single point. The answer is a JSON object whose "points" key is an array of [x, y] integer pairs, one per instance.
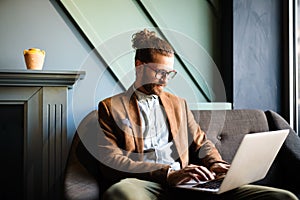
{"points": [[150, 136]]}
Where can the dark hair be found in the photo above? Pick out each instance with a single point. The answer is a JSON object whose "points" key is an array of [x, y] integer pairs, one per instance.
{"points": [[147, 44]]}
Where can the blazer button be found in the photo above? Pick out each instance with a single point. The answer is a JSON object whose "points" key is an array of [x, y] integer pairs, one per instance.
{"points": [[219, 137]]}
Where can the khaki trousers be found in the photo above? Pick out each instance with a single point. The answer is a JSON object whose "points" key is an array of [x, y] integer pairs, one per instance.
{"points": [[135, 189]]}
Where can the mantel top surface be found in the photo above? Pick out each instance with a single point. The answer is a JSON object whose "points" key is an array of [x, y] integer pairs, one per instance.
{"points": [[39, 77], [66, 72]]}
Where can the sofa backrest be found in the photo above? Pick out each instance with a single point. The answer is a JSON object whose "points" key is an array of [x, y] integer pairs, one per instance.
{"points": [[226, 128]]}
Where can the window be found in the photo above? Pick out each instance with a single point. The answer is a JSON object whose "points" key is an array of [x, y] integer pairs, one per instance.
{"points": [[297, 63]]}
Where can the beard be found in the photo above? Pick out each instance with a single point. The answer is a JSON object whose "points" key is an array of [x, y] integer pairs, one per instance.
{"points": [[153, 88]]}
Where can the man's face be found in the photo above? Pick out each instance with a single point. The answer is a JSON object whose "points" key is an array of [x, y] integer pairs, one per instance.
{"points": [[149, 77]]}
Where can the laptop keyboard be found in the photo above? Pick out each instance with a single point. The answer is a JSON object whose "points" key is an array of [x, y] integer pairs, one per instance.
{"points": [[214, 184]]}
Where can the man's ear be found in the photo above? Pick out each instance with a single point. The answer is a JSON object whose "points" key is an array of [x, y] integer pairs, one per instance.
{"points": [[138, 71], [138, 63]]}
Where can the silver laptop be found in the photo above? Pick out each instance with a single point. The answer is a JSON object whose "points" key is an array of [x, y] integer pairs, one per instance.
{"points": [[251, 162]]}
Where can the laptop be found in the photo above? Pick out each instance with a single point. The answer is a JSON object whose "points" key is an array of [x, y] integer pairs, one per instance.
{"points": [[251, 162]]}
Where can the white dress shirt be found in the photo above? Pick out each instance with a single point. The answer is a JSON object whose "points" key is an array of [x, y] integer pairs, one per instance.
{"points": [[157, 147]]}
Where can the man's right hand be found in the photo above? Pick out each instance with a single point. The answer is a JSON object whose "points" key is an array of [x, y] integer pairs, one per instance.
{"points": [[190, 172]]}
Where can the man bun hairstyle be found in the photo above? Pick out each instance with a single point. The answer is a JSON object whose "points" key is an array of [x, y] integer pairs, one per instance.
{"points": [[147, 44]]}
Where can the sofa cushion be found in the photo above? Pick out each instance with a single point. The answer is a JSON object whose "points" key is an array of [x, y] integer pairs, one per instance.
{"points": [[227, 129]]}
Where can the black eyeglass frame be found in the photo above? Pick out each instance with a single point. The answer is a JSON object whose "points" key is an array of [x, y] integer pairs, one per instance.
{"points": [[162, 72]]}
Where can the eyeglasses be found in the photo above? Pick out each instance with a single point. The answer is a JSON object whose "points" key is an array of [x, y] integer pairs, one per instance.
{"points": [[160, 73]]}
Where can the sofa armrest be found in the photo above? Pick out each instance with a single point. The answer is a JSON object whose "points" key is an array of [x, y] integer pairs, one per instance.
{"points": [[80, 180], [79, 184], [289, 155]]}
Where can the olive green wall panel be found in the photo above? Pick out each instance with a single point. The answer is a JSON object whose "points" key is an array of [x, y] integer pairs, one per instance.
{"points": [[190, 26]]}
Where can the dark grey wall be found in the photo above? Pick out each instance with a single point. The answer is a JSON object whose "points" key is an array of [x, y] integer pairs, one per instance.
{"points": [[36, 23], [257, 54], [43, 24]]}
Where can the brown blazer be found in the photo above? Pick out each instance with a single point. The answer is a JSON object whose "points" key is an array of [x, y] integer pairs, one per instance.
{"points": [[121, 142]]}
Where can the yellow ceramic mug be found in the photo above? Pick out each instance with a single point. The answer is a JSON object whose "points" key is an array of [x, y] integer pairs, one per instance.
{"points": [[34, 58]]}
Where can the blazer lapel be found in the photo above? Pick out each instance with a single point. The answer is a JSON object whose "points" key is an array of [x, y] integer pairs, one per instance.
{"points": [[133, 111], [170, 112]]}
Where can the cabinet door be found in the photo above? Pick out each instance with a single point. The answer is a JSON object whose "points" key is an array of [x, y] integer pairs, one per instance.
{"points": [[34, 141]]}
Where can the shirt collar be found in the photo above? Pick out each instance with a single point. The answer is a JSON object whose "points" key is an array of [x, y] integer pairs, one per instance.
{"points": [[142, 96]]}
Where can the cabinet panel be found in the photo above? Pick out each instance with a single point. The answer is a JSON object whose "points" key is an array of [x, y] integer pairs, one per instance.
{"points": [[33, 128]]}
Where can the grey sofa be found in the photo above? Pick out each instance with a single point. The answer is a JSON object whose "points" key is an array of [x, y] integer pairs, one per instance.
{"points": [[225, 128]]}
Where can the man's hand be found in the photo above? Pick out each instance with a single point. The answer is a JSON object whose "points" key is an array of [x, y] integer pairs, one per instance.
{"points": [[195, 172], [219, 169]]}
